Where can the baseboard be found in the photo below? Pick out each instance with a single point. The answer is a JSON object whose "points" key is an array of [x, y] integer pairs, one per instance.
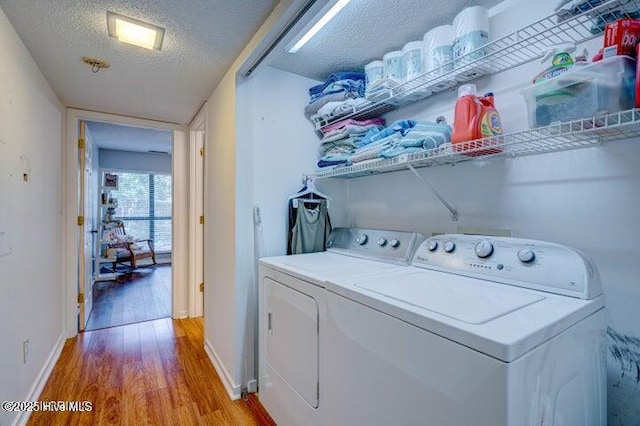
{"points": [[41, 380], [232, 390], [182, 314]]}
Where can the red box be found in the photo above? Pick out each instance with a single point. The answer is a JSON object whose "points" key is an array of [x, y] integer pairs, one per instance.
{"points": [[621, 37]]}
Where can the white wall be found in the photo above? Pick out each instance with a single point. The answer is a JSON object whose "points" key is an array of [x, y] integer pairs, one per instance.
{"points": [[228, 246], [135, 161], [279, 149], [31, 128], [586, 198]]}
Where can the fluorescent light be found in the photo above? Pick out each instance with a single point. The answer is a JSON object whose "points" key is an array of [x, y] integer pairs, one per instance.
{"points": [[132, 31], [318, 25]]}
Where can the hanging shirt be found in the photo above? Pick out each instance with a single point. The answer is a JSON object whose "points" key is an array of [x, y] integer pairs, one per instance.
{"points": [[311, 229]]}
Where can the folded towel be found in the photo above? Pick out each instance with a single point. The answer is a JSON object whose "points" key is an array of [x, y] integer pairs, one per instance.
{"points": [[336, 109], [352, 86], [373, 149], [329, 163], [333, 78], [314, 106], [400, 126], [340, 124], [349, 129]]}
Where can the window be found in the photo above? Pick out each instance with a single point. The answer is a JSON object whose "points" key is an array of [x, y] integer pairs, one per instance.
{"points": [[144, 205]]}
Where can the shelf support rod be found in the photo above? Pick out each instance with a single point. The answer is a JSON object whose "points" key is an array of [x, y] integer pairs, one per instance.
{"points": [[454, 212]]}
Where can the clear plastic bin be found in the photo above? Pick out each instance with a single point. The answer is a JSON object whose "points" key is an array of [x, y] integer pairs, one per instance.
{"points": [[585, 91]]}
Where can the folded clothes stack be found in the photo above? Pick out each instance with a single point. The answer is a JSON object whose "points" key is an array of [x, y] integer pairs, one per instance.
{"points": [[343, 138], [401, 137], [337, 96], [381, 89], [566, 9]]}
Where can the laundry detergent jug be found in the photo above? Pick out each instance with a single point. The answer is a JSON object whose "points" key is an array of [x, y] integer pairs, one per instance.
{"points": [[475, 118]]}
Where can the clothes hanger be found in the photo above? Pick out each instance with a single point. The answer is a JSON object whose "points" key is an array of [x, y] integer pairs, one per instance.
{"points": [[310, 189]]}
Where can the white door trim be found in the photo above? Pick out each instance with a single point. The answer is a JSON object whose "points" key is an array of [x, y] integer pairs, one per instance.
{"points": [[196, 209], [70, 208]]}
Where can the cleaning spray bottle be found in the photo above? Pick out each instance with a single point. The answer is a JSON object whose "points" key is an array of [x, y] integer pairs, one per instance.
{"points": [[561, 61], [475, 118]]}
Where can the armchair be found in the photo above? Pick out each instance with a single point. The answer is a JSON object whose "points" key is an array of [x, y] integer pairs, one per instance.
{"points": [[129, 249]]}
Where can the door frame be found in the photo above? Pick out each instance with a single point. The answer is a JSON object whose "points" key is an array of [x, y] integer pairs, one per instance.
{"points": [[179, 308], [197, 132]]}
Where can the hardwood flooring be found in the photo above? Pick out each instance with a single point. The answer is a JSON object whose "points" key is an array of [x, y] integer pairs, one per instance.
{"points": [[142, 295], [151, 373]]}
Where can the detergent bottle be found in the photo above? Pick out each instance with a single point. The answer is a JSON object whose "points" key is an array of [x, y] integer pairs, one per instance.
{"points": [[561, 61], [475, 118]]}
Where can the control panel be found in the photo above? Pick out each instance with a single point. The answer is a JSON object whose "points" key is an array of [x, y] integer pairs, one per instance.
{"points": [[526, 263], [391, 246]]}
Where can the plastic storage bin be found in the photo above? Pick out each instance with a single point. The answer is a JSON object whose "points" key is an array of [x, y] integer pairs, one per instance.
{"points": [[585, 91]]}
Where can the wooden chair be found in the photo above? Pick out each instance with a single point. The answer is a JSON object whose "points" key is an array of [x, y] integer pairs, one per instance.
{"points": [[131, 251]]}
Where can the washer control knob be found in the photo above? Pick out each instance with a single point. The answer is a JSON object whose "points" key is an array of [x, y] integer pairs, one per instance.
{"points": [[483, 249], [362, 239], [382, 241], [394, 243], [526, 255], [432, 245], [449, 246]]}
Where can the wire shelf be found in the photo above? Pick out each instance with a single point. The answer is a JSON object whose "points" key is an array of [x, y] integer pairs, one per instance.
{"points": [[514, 49], [556, 137]]}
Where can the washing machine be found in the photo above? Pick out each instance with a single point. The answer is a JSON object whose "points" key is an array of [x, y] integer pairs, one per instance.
{"points": [[478, 331], [292, 301]]}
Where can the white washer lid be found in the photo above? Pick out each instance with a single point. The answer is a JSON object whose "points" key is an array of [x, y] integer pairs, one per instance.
{"points": [[520, 321], [456, 297], [323, 266]]}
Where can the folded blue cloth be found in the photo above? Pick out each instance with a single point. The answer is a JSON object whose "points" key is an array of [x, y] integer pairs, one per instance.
{"points": [[400, 126], [422, 136], [329, 163], [333, 78], [355, 87], [395, 150]]}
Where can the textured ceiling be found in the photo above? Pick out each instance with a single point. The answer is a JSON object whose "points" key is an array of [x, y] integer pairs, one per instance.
{"points": [[202, 39], [128, 138], [364, 31]]}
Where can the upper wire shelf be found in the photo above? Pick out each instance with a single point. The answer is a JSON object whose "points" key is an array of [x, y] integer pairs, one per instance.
{"points": [[556, 137], [516, 48]]}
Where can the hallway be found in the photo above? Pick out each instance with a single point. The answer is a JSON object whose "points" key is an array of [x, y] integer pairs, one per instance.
{"points": [[155, 372], [142, 295]]}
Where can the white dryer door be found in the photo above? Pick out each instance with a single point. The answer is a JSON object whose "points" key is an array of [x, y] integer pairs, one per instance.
{"points": [[292, 338]]}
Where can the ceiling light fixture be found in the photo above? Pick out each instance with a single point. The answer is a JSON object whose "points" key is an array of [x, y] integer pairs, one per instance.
{"points": [[132, 31], [326, 15]]}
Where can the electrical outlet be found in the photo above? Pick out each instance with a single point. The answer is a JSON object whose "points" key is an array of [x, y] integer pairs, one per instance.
{"points": [[25, 351]]}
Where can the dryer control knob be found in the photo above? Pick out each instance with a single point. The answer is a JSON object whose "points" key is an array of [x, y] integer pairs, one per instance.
{"points": [[449, 246], [432, 245], [362, 239], [382, 241], [526, 255], [394, 243], [483, 249]]}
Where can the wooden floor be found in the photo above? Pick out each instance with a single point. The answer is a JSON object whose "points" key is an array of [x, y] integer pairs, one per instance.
{"points": [[142, 295], [154, 373]]}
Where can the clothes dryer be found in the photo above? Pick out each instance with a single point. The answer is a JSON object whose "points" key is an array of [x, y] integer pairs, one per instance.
{"points": [[292, 301]]}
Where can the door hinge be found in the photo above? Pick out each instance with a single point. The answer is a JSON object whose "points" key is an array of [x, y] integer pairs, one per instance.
{"points": [[201, 152], [201, 220], [80, 220], [80, 143], [80, 298], [202, 287]]}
